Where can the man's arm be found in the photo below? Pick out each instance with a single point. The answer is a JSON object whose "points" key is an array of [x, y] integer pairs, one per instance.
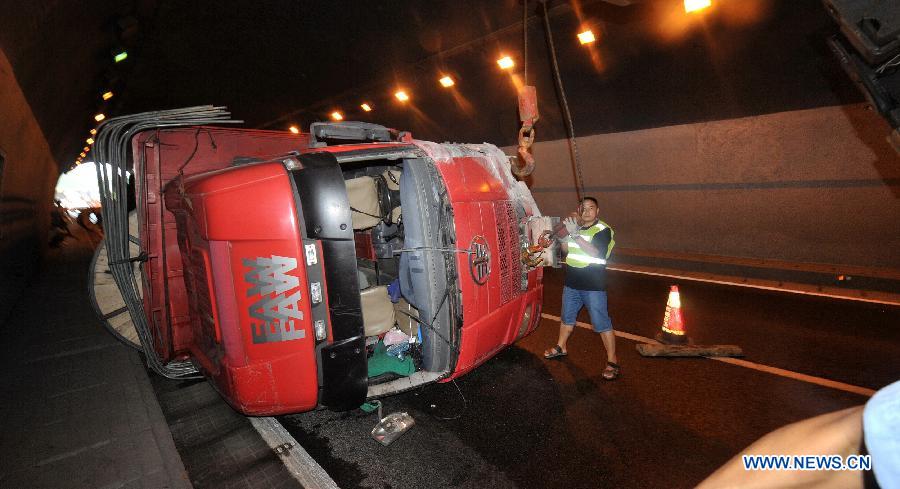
{"points": [[587, 246], [837, 433]]}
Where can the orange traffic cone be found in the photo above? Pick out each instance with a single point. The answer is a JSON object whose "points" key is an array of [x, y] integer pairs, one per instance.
{"points": [[673, 332], [673, 339]]}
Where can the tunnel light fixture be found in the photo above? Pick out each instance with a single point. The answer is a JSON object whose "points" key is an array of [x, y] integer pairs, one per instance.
{"points": [[93, 131], [294, 130], [447, 81], [99, 117], [696, 5], [89, 140], [120, 55], [87, 149], [337, 116], [107, 95], [365, 107], [586, 36], [505, 62], [401, 95], [82, 154]]}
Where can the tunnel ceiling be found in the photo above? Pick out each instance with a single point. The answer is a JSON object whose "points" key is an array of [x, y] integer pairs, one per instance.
{"points": [[278, 63]]}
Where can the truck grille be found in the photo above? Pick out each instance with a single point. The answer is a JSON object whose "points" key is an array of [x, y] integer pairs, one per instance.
{"points": [[508, 242]]}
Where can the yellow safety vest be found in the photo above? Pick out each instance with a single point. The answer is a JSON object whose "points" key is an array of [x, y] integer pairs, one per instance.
{"points": [[578, 258]]}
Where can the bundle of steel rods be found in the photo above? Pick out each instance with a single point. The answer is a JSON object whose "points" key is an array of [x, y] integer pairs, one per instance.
{"points": [[111, 151]]}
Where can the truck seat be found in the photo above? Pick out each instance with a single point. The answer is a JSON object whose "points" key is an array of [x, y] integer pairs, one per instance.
{"points": [[392, 182], [363, 196], [404, 322], [377, 309]]}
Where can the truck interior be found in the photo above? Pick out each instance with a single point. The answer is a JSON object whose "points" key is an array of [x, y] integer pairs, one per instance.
{"points": [[403, 229]]}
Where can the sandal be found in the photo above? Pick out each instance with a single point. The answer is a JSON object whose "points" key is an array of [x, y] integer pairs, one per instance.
{"points": [[611, 372], [554, 352]]}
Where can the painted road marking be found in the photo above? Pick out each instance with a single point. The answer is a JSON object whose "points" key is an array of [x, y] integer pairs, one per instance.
{"points": [[789, 287], [298, 462], [833, 384]]}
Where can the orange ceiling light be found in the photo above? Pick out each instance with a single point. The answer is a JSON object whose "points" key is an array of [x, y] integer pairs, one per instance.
{"points": [[401, 95], [107, 95], [89, 140], [366, 107], [99, 117], [294, 129], [696, 5], [337, 116], [586, 36], [505, 62], [447, 81], [93, 131]]}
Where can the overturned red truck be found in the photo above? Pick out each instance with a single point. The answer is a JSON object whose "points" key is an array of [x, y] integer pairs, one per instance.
{"points": [[269, 262]]}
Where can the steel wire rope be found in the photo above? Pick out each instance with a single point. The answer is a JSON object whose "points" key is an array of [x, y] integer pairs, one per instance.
{"points": [[573, 143], [891, 63], [460, 412], [112, 146], [525, 42], [119, 257]]}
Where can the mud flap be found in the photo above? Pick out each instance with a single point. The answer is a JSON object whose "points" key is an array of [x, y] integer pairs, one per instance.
{"points": [[325, 209]]}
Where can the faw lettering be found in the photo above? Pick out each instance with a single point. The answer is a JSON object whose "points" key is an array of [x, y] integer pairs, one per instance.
{"points": [[279, 316], [272, 275]]}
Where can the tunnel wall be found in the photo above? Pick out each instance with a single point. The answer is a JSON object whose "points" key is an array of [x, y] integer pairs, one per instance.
{"points": [[27, 181], [819, 185]]}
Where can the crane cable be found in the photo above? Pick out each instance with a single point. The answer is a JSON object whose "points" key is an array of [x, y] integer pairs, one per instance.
{"points": [[573, 143], [523, 164], [525, 41]]}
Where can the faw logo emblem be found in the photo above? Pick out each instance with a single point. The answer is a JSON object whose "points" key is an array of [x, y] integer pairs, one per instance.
{"points": [[479, 260], [275, 315]]}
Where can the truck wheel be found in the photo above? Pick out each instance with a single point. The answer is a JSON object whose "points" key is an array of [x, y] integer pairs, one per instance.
{"points": [[105, 295]]}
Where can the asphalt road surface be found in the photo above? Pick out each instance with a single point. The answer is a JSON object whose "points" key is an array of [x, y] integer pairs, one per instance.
{"points": [[522, 421]]}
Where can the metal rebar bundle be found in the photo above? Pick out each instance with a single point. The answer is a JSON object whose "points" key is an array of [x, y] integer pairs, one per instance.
{"points": [[111, 148]]}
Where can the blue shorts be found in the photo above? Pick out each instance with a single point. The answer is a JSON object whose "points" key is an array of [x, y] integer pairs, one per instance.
{"points": [[595, 301]]}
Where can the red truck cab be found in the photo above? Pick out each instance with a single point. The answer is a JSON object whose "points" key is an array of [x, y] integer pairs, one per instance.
{"points": [[274, 259]]}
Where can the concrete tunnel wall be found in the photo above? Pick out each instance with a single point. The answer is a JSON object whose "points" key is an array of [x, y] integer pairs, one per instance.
{"points": [[27, 181], [809, 186]]}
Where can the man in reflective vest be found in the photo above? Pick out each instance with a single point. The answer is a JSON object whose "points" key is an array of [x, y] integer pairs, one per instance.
{"points": [[587, 248]]}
